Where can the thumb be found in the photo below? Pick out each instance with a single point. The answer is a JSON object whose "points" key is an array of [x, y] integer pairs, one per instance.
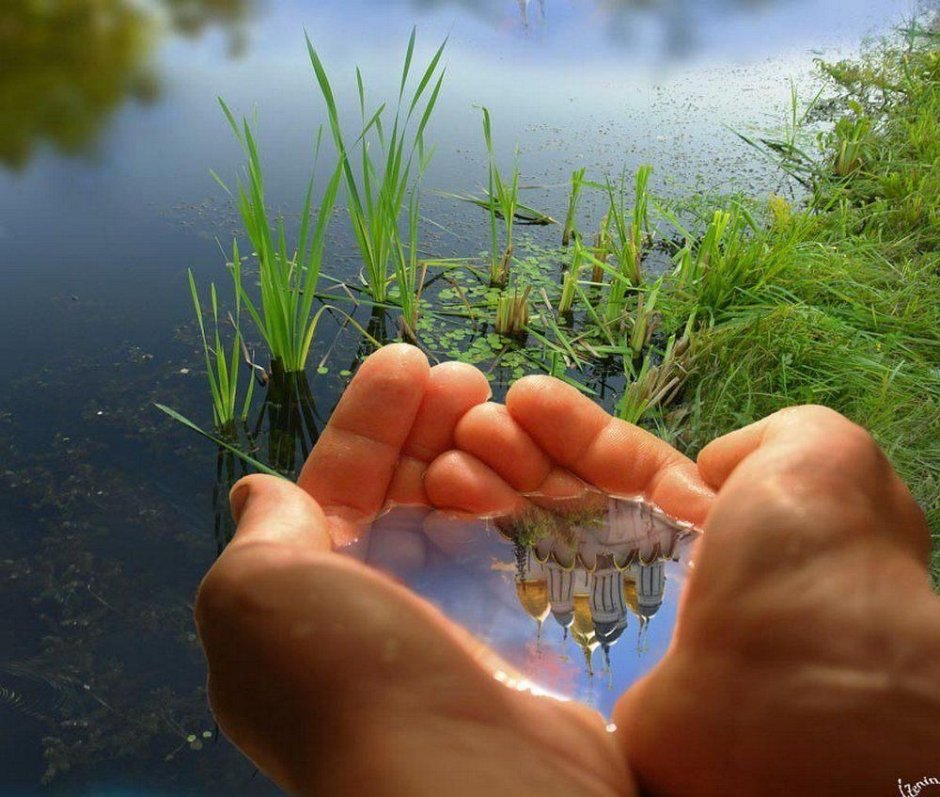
{"points": [[272, 510], [248, 613]]}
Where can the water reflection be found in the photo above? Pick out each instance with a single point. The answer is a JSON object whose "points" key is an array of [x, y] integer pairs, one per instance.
{"points": [[66, 68], [192, 17], [580, 597], [674, 27]]}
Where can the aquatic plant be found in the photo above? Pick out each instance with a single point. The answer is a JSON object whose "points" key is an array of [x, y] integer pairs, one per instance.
{"points": [[631, 228], [223, 444], [602, 244], [512, 312], [643, 322], [409, 273], [221, 367], [569, 280], [288, 277], [725, 260], [503, 198], [376, 193], [849, 141], [654, 386], [577, 183], [524, 214], [789, 150]]}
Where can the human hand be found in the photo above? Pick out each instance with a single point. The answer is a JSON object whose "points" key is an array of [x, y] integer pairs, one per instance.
{"points": [[806, 658], [327, 713], [335, 679]]}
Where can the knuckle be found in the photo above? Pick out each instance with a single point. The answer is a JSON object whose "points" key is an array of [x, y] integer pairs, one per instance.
{"points": [[840, 444], [230, 591]]}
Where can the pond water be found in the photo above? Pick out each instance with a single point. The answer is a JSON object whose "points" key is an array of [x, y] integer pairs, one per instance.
{"points": [[109, 512]]}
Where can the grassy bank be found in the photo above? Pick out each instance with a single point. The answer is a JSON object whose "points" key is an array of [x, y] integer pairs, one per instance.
{"points": [[838, 302]]}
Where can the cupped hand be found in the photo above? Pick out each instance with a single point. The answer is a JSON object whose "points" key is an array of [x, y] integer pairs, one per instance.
{"points": [[808, 617], [334, 678], [806, 658]]}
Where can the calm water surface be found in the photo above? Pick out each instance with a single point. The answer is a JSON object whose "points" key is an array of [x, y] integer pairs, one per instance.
{"points": [[109, 514], [581, 603]]}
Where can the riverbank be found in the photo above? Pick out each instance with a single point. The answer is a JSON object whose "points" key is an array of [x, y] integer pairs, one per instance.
{"points": [[837, 301]]}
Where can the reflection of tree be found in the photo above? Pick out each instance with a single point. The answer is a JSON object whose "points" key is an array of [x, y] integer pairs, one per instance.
{"points": [[192, 17], [677, 19], [67, 66]]}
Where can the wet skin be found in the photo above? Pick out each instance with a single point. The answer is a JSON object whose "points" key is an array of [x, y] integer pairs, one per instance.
{"points": [[807, 652]]}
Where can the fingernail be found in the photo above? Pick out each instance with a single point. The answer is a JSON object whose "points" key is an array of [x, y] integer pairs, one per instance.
{"points": [[238, 498]]}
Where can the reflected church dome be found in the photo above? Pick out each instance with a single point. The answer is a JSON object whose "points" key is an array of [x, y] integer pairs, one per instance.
{"points": [[591, 574]]}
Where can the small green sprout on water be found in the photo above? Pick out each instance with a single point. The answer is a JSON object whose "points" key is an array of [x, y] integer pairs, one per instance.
{"points": [[503, 204], [222, 367], [512, 312], [376, 191], [577, 183]]}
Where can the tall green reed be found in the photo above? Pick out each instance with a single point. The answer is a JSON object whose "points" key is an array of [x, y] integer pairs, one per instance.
{"points": [[288, 277], [376, 191], [631, 228], [569, 281]]}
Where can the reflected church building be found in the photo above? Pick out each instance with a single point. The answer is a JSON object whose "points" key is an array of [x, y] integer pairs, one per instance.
{"points": [[591, 576]]}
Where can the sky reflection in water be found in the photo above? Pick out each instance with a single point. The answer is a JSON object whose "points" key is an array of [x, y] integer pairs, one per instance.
{"points": [[580, 599]]}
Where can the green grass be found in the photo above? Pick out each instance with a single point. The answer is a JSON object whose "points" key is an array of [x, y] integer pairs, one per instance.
{"points": [[377, 188], [288, 277], [503, 198], [838, 301], [221, 366], [577, 185]]}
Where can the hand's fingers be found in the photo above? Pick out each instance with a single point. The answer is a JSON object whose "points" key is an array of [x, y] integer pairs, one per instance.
{"points": [[819, 466], [489, 432], [614, 456], [458, 481], [452, 389], [350, 468], [396, 541], [277, 513], [720, 457]]}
